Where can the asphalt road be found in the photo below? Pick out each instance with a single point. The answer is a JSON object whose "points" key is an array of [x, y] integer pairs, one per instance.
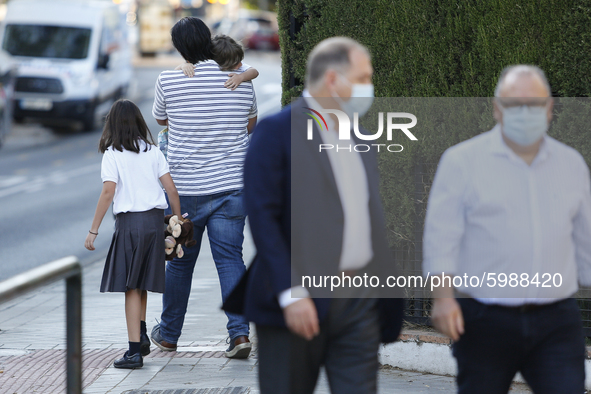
{"points": [[50, 182]]}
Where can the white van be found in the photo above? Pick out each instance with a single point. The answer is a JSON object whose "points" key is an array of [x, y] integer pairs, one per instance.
{"points": [[72, 58]]}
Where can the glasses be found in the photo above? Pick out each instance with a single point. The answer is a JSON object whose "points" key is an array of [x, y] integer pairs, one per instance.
{"points": [[511, 102]]}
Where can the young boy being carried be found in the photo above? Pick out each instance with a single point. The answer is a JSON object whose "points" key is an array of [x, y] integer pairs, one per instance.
{"points": [[228, 54]]}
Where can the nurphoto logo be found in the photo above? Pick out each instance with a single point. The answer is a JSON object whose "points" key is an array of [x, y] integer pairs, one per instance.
{"points": [[344, 130]]}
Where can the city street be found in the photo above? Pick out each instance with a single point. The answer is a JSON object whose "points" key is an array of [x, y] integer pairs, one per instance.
{"points": [[352, 285], [50, 182]]}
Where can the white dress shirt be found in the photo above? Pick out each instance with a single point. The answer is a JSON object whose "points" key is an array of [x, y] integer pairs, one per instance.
{"points": [[351, 179], [491, 212]]}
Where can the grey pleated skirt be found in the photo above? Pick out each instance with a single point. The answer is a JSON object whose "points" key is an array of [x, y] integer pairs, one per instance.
{"points": [[136, 256]]}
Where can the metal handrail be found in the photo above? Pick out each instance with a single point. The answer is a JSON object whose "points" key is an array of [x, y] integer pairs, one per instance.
{"points": [[69, 269]]}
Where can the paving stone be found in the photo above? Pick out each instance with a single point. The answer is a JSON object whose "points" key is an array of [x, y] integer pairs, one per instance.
{"points": [[219, 390], [33, 328], [46, 368]]}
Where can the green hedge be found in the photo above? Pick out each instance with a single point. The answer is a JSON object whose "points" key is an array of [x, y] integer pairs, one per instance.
{"points": [[443, 48]]}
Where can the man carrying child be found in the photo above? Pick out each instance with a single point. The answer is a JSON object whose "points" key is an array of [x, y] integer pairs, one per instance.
{"points": [[209, 117]]}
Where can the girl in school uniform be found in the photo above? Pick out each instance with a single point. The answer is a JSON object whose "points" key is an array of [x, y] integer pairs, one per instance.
{"points": [[131, 170]]}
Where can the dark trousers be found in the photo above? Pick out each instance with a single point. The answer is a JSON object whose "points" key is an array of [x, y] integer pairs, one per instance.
{"points": [[347, 346], [545, 344]]}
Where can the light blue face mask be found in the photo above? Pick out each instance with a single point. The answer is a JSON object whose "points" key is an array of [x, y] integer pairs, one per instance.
{"points": [[525, 125], [362, 95]]}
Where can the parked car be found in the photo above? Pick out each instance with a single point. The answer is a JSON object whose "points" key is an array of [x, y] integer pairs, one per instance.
{"points": [[72, 59], [255, 29], [264, 37]]}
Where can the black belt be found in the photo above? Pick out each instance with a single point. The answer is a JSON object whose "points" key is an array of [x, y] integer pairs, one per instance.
{"points": [[525, 308]]}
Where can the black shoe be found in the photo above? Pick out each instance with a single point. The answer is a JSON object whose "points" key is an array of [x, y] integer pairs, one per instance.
{"points": [[144, 344], [129, 362]]}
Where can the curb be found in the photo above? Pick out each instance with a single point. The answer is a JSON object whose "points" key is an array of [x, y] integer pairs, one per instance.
{"points": [[419, 336], [430, 352], [424, 336]]}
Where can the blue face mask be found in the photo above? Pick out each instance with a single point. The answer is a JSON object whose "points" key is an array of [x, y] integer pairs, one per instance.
{"points": [[362, 95], [525, 125]]}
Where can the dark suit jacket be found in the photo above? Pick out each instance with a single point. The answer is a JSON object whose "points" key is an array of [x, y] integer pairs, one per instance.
{"points": [[302, 236]]}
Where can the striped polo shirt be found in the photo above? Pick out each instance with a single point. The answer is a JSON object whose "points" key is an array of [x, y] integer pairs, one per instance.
{"points": [[207, 136]]}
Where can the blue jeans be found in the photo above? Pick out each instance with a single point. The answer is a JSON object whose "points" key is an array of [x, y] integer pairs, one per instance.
{"points": [[224, 215]]}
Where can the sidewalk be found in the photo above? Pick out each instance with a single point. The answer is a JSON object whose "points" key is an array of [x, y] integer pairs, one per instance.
{"points": [[32, 345]]}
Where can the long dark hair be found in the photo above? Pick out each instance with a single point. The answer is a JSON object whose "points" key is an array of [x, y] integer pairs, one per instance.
{"points": [[124, 128], [192, 38]]}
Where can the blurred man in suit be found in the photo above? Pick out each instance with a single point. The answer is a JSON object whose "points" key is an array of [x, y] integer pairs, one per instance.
{"points": [[317, 213]]}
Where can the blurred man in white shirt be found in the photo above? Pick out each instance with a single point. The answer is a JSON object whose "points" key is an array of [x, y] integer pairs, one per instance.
{"points": [[512, 201]]}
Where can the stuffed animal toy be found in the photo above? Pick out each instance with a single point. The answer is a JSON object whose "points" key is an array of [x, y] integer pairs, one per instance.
{"points": [[173, 225], [178, 232], [169, 244]]}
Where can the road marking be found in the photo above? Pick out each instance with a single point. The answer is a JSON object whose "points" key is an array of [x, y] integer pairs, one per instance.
{"points": [[20, 183], [36, 185], [7, 181], [14, 185]]}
